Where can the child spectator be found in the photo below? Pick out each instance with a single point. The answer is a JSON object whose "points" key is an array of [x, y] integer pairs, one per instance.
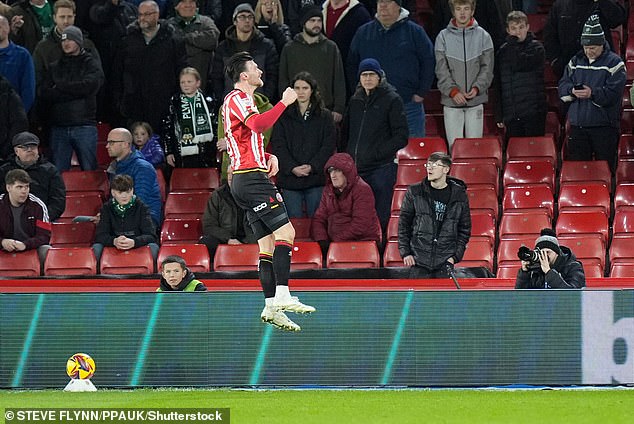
{"points": [[147, 143]]}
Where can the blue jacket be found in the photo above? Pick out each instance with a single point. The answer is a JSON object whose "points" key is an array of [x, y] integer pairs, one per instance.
{"points": [[145, 181], [404, 51], [16, 65], [606, 77]]}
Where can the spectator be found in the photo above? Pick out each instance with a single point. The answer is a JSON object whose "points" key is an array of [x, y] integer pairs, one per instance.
{"points": [[464, 68], [188, 129], [294, 9], [199, 33], [303, 139], [434, 226], [31, 21], [224, 222], [148, 143], [269, 18], [228, 6], [406, 53], [244, 36], [16, 65], [211, 8], [593, 85], [312, 52], [12, 117], [565, 22], [46, 182], [549, 266], [146, 70], [346, 210], [125, 222], [375, 127], [175, 276], [519, 69], [24, 223], [69, 90], [486, 13], [131, 162]]}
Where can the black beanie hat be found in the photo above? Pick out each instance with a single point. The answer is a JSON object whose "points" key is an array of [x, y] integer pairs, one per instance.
{"points": [[309, 12]]}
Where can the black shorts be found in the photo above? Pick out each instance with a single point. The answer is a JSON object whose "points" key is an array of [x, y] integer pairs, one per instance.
{"points": [[258, 196]]}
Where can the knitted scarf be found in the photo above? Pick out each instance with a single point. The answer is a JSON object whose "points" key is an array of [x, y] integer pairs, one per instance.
{"points": [[193, 126], [120, 209]]}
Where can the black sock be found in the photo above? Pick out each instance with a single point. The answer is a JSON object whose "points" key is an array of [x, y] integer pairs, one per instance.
{"points": [[267, 277], [282, 261]]}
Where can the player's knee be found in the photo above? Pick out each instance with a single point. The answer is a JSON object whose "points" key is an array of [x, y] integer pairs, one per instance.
{"points": [[286, 232]]}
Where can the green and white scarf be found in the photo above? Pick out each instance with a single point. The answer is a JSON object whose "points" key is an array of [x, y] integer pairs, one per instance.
{"points": [[194, 125]]}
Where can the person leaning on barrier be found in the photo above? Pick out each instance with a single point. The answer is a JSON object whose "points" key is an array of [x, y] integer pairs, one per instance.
{"points": [[549, 265]]}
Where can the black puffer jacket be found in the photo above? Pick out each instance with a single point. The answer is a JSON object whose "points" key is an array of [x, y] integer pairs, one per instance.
{"points": [[375, 127], [417, 226], [566, 273], [519, 71]]}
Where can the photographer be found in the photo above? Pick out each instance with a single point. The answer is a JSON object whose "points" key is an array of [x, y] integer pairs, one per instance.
{"points": [[549, 265]]}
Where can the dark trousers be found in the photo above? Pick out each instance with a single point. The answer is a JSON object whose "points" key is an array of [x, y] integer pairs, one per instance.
{"points": [[593, 143], [420, 272], [212, 244], [382, 181], [528, 126]]}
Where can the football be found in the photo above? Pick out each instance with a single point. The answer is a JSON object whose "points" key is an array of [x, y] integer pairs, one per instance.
{"points": [[80, 366]]}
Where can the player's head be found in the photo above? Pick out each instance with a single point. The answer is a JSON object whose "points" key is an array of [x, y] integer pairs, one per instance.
{"points": [[237, 64]]}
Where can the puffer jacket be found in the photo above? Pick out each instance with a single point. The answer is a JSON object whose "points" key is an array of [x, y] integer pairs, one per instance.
{"points": [[223, 218], [566, 273], [417, 227], [348, 215]]}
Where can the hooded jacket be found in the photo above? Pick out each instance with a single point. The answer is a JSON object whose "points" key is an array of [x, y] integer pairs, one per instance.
{"points": [[464, 60], [417, 227], [189, 284], [348, 215], [375, 127], [566, 273]]}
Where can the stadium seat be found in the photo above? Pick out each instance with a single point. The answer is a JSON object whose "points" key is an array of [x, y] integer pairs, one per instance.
{"points": [[186, 205], [302, 229], [622, 270], [591, 270], [477, 175], [87, 182], [133, 261], [528, 223], [410, 174], [419, 149], [181, 231], [392, 229], [553, 126], [88, 204], [72, 234], [397, 199], [589, 196], [353, 254], [626, 101], [588, 249], [196, 255], [477, 150], [532, 172], [479, 253], [103, 158], [626, 146], [583, 223], [160, 177], [587, 171], [508, 270], [194, 179], [306, 255], [70, 261], [552, 98], [435, 125], [624, 196], [507, 250], [532, 148], [237, 257], [483, 226], [625, 171], [537, 22], [391, 256], [19, 264], [627, 121], [528, 198], [483, 199], [432, 98], [623, 222]]}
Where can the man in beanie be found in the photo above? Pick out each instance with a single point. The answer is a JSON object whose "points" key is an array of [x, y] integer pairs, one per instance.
{"points": [[374, 129], [593, 85], [556, 266], [312, 52], [69, 93], [406, 54]]}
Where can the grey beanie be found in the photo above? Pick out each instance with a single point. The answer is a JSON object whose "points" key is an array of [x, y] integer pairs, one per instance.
{"points": [[73, 33], [548, 239]]}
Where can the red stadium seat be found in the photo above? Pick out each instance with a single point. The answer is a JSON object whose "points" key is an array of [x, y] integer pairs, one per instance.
{"points": [[627, 121], [589, 196], [593, 170], [435, 125], [181, 231], [483, 199], [507, 250], [392, 229], [196, 255], [626, 146], [508, 270], [583, 223], [72, 234], [532, 148], [626, 101], [537, 21], [186, 205], [625, 171], [477, 175], [528, 223], [397, 199], [81, 204], [306, 255], [194, 179], [134, 261], [419, 149], [623, 222], [432, 98], [410, 174], [160, 177], [87, 182], [622, 270], [553, 126], [479, 253], [477, 150], [592, 270], [483, 225], [353, 254], [624, 196], [70, 261], [302, 229], [590, 250], [19, 264], [528, 198], [622, 248], [391, 256], [237, 257], [521, 173]]}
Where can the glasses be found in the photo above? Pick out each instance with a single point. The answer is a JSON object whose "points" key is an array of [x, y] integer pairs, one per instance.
{"points": [[245, 17], [28, 146], [147, 15], [434, 165], [115, 141]]}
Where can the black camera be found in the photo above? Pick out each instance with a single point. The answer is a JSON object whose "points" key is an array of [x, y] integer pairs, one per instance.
{"points": [[530, 256]]}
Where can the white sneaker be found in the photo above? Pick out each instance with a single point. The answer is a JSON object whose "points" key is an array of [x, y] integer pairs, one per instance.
{"points": [[292, 304], [278, 319]]}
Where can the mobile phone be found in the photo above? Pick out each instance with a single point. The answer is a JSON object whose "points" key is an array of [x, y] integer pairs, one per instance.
{"points": [[578, 87]]}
